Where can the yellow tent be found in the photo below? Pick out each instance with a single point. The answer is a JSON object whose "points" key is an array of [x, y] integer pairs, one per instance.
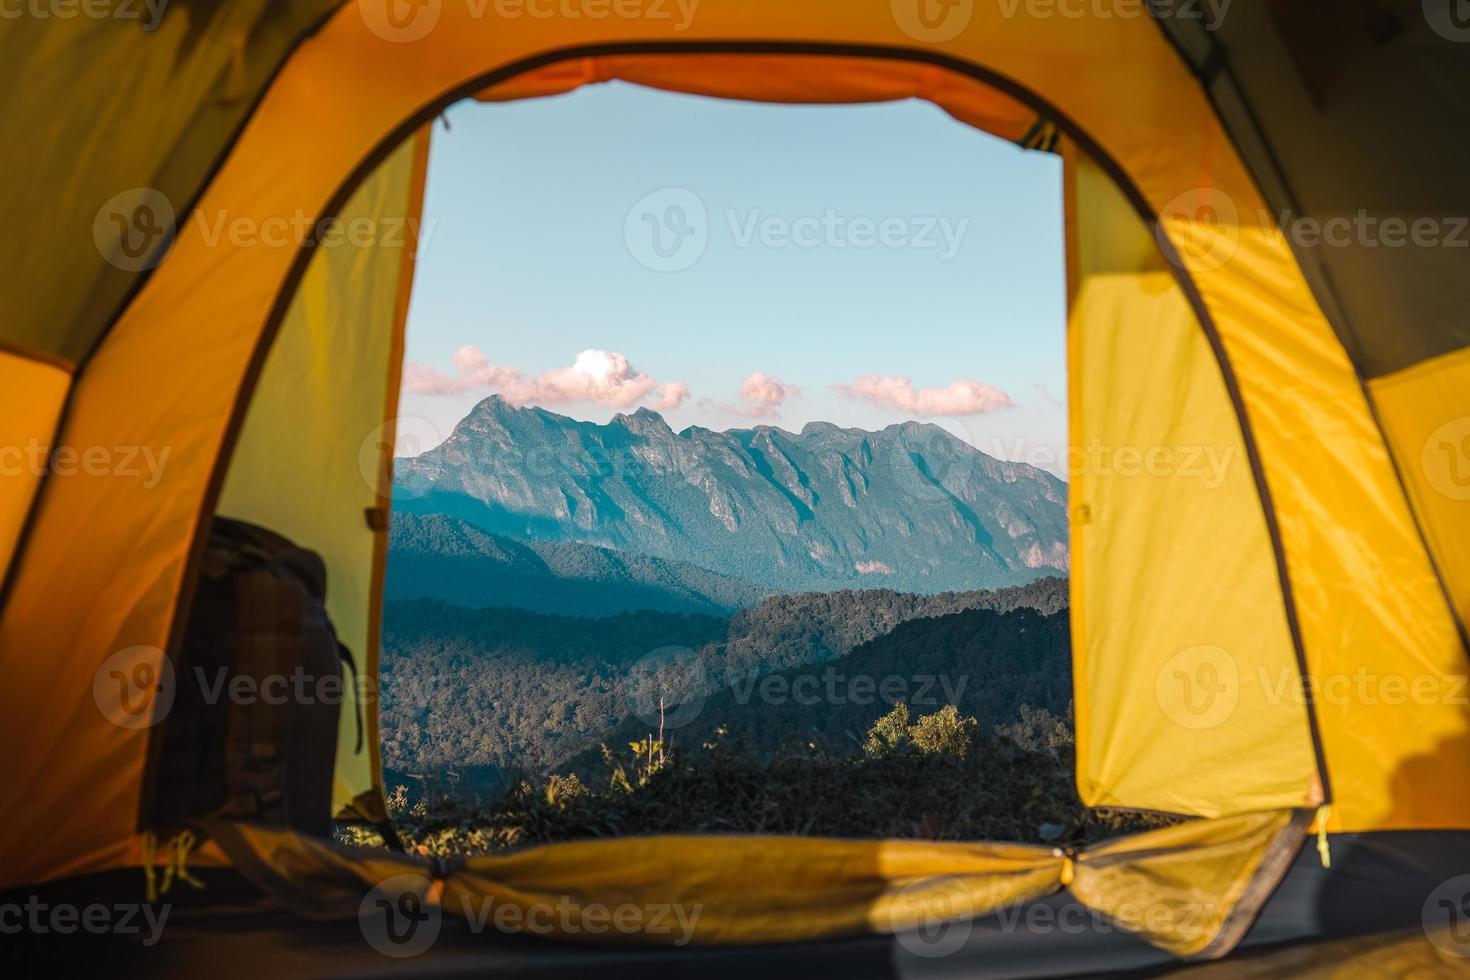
{"points": [[1281, 646]]}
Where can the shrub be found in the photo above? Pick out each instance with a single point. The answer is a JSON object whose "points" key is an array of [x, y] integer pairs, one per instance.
{"points": [[939, 777]]}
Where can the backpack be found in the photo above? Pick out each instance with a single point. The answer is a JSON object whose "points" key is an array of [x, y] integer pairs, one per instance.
{"points": [[252, 733]]}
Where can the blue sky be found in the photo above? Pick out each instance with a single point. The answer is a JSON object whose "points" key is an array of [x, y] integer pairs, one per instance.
{"points": [[809, 246]]}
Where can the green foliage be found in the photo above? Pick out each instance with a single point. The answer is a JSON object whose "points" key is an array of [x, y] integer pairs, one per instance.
{"points": [[889, 734], [487, 693], [944, 732], [1041, 731], [986, 664], [938, 777], [561, 789]]}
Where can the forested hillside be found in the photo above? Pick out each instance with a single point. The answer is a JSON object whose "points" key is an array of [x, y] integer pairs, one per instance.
{"points": [[515, 689], [984, 663]]}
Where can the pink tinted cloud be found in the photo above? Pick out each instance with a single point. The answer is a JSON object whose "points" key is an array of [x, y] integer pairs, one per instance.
{"points": [[669, 396], [764, 395], [476, 371], [963, 397], [597, 376], [420, 379]]}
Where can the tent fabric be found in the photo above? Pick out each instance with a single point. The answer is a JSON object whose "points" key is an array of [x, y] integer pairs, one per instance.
{"points": [[1328, 524], [1188, 889], [1424, 413], [1308, 92], [1158, 456], [1380, 227], [784, 78], [1205, 650], [1344, 917], [36, 389], [225, 284], [113, 105], [329, 377]]}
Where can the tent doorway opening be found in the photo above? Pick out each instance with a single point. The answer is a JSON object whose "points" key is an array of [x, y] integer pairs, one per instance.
{"points": [[637, 585], [1151, 393], [733, 488]]}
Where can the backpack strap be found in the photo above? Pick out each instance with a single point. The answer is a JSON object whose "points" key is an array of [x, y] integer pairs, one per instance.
{"points": [[345, 655]]}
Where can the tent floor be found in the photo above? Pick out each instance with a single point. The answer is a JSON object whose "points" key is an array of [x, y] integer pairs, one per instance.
{"points": [[1366, 909]]}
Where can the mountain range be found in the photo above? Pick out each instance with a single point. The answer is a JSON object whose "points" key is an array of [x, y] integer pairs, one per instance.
{"points": [[910, 507], [442, 557]]}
